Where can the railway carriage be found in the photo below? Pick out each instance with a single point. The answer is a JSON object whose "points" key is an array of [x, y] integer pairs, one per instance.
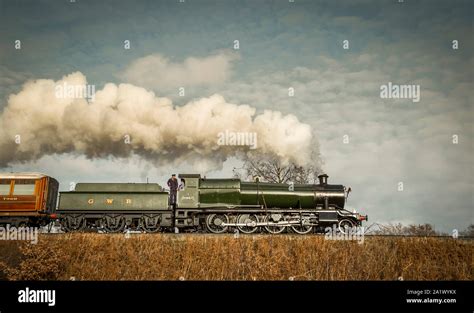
{"points": [[27, 199]]}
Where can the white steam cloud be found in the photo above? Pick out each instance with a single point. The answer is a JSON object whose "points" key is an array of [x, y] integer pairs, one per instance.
{"points": [[126, 119]]}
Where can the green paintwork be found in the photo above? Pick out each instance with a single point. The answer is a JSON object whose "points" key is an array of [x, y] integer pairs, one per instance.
{"points": [[198, 193], [232, 192], [114, 197], [219, 184], [118, 187], [219, 191], [189, 197]]}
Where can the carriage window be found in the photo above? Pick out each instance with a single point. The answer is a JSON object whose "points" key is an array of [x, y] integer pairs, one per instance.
{"points": [[4, 186], [24, 187]]}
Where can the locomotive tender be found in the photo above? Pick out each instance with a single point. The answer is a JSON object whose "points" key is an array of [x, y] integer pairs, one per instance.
{"points": [[208, 205]]}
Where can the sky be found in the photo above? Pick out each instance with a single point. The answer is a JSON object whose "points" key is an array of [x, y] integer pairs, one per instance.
{"points": [[406, 161]]}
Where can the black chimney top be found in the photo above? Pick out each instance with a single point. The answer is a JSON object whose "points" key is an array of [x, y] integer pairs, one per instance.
{"points": [[323, 179]]}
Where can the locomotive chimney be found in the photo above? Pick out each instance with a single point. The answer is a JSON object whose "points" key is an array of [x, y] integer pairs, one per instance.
{"points": [[323, 179]]}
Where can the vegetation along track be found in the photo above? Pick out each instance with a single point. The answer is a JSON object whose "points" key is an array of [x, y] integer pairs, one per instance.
{"points": [[92, 256]]}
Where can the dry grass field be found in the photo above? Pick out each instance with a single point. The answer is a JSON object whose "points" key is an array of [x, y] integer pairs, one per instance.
{"points": [[225, 257]]}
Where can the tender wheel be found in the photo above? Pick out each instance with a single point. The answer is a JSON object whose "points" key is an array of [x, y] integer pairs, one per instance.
{"points": [[153, 229], [114, 224], [73, 223], [149, 227], [214, 223], [250, 220], [345, 225], [274, 218]]}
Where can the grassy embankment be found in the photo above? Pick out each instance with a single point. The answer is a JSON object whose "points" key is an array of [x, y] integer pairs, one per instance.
{"points": [[225, 257]]}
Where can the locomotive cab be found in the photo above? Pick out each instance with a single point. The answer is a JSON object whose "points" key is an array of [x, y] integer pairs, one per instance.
{"points": [[188, 197]]}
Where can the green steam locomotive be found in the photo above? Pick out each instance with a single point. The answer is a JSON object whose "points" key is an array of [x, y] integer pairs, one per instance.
{"points": [[207, 205]]}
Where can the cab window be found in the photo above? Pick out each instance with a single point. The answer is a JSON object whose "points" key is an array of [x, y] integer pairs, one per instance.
{"points": [[5, 187], [24, 187]]}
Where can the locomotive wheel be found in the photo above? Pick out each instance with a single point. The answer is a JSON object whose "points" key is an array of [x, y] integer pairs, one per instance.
{"points": [[273, 229], [214, 223], [250, 220], [302, 229], [345, 225]]}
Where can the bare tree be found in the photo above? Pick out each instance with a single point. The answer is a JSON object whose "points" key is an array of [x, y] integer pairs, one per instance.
{"points": [[271, 169], [420, 230], [469, 231], [410, 230], [390, 229]]}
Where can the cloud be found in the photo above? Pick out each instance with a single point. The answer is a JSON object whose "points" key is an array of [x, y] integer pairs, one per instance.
{"points": [[156, 72], [126, 120]]}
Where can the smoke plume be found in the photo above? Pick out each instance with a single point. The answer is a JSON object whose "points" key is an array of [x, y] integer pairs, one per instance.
{"points": [[125, 119]]}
